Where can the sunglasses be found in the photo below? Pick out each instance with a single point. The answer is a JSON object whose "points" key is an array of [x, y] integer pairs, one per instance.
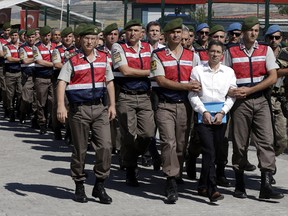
{"points": [[204, 32], [235, 33], [271, 37]]}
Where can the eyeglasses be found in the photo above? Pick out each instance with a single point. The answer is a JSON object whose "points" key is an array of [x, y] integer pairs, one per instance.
{"points": [[235, 33], [271, 37], [218, 36], [204, 32]]}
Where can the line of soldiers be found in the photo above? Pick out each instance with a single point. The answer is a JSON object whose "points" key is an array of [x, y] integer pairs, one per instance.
{"points": [[147, 85]]}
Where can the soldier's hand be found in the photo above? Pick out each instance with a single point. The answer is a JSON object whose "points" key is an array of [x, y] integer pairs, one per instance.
{"points": [[194, 85], [111, 112], [241, 92], [62, 114]]}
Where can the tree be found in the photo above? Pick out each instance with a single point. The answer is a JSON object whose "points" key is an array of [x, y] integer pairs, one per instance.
{"points": [[283, 9]]}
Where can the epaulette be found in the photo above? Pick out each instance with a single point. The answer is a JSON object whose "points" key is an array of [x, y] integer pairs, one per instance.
{"points": [[23, 45], [158, 50], [102, 51], [231, 45], [38, 43], [59, 46]]}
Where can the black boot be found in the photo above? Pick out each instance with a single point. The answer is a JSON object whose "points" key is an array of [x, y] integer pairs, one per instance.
{"points": [[249, 167], [191, 167], [80, 195], [11, 116], [131, 177], [221, 179], [171, 191], [99, 191], [240, 191], [266, 190]]}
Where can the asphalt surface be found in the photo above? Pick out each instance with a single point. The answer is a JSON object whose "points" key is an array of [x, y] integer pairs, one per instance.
{"points": [[35, 181]]}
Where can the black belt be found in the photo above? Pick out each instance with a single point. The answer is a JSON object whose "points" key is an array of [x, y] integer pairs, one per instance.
{"points": [[133, 92], [171, 102], [88, 103], [255, 95], [13, 71], [44, 77]]}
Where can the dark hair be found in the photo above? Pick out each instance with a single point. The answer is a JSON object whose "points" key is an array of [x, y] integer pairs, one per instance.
{"points": [[152, 23], [217, 43]]}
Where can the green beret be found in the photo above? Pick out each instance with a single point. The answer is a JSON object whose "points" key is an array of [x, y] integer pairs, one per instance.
{"points": [[45, 30], [110, 28], [66, 31], [173, 24], [6, 25], [22, 31], [215, 29], [79, 28], [89, 30], [133, 22], [13, 31], [249, 22], [30, 32], [191, 28]]}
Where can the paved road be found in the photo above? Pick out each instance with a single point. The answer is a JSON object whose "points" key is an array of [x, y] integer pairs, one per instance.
{"points": [[35, 181]]}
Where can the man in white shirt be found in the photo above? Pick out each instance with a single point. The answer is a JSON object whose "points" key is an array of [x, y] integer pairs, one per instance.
{"points": [[216, 80]]}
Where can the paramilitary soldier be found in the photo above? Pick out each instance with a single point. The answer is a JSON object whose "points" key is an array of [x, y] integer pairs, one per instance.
{"points": [[12, 74], [42, 52], [86, 77], [60, 56], [132, 61], [171, 67], [28, 103]]}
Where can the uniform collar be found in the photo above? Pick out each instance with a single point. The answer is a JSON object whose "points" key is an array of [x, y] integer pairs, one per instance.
{"points": [[242, 45]]}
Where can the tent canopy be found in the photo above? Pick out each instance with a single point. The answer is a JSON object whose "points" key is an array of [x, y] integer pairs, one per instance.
{"points": [[51, 10]]}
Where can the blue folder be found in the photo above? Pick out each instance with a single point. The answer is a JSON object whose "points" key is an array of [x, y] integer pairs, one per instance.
{"points": [[213, 108]]}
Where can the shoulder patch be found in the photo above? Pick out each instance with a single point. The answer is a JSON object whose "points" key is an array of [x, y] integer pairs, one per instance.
{"points": [[117, 57], [153, 65]]}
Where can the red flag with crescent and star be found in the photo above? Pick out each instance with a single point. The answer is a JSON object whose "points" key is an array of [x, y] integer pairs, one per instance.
{"points": [[32, 18], [5, 15]]}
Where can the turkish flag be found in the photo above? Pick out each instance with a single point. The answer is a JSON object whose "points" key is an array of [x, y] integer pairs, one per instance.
{"points": [[5, 15], [32, 18]]}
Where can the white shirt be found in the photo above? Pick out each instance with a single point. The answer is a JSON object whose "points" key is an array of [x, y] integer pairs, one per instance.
{"points": [[215, 86]]}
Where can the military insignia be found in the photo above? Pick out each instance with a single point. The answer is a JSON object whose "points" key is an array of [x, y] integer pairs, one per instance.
{"points": [[54, 56], [21, 55], [35, 53], [117, 57], [153, 65], [5, 51]]}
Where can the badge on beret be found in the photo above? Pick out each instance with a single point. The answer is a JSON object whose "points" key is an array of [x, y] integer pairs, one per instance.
{"points": [[153, 65], [117, 57]]}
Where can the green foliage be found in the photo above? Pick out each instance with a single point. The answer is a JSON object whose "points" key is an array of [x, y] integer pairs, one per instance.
{"points": [[283, 9], [199, 15]]}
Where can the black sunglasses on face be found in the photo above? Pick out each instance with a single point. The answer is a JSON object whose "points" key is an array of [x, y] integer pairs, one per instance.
{"points": [[235, 33], [204, 32], [271, 37]]}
